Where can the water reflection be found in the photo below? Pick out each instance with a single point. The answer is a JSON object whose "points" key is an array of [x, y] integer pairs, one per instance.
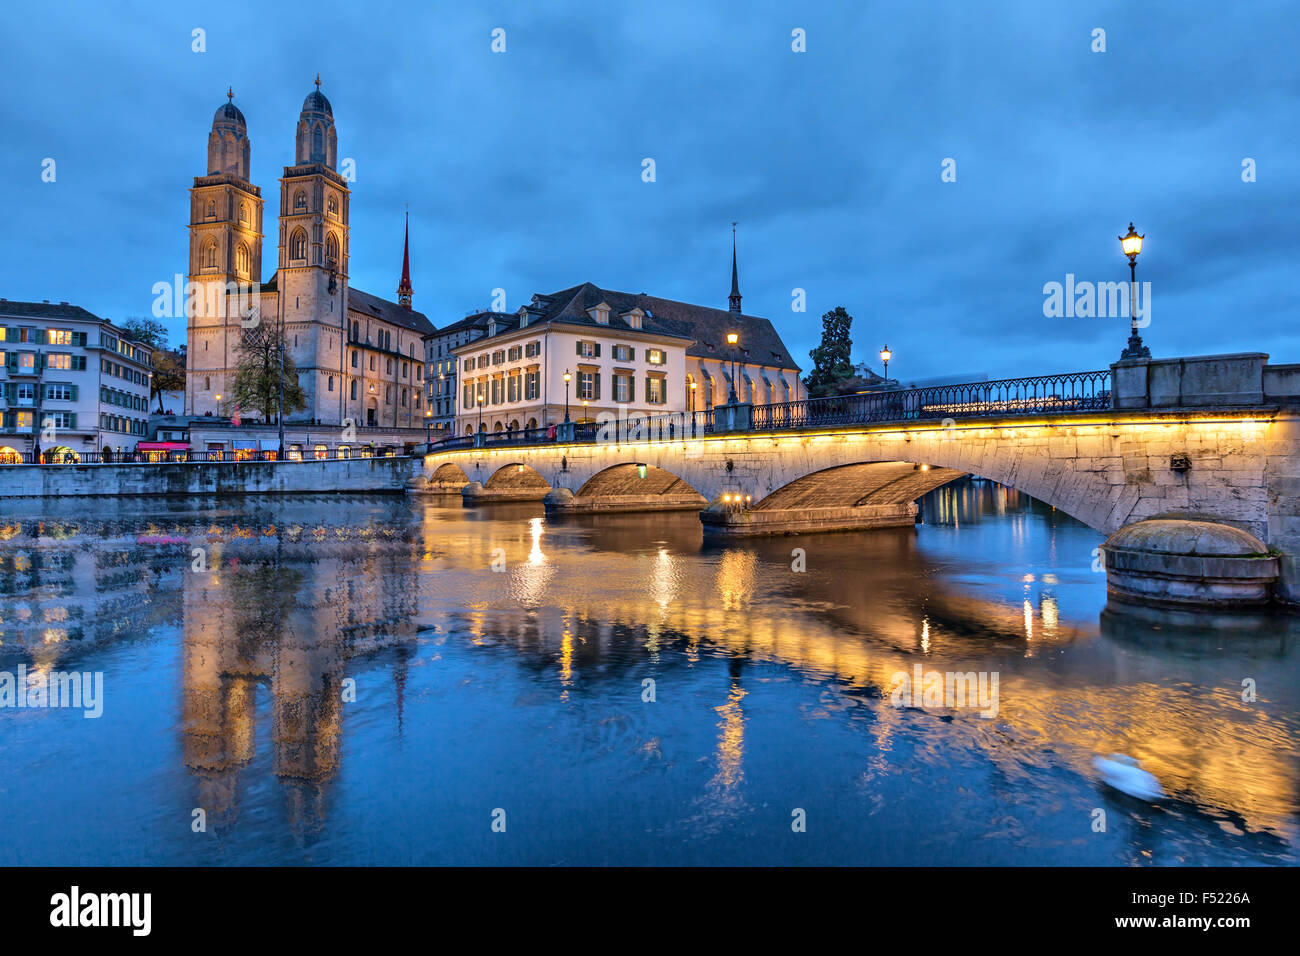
{"points": [[499, 656]]}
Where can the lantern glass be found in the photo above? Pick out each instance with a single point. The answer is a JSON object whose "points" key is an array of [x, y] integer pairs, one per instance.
{"points": [[732, 338]]}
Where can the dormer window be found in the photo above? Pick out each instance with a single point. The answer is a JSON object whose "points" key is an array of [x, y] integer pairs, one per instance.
{"points": [[600, 313], [633, 318], [492, 327]]}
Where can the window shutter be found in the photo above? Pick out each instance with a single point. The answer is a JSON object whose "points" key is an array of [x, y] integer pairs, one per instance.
{"points": [[579, 348], [631, 353], [72, 419], [631, 388], [597, 350], [596, 395]]}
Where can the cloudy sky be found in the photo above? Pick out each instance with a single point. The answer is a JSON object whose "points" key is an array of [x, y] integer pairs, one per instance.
{"points": [[523, 169]]}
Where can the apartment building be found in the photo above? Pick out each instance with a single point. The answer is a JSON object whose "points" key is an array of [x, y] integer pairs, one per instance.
{"points": [[70, 382]]}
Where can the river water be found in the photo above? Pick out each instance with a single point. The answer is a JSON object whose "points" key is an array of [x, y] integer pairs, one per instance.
{"points": [[379, 679]]}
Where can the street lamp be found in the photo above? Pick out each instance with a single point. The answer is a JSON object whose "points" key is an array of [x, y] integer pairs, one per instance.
{"points": [[567, 377], [479, 397], [1131, 243], [885, 356], [732, 339], [584, 410]]}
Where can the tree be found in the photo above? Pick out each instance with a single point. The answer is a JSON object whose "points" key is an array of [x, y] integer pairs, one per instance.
{"points": [[148, 332], [168, 373], [257, 380], [831, 364]]}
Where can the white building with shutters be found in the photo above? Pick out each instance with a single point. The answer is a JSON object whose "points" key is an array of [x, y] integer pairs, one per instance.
{"points": [[625, 354], [69, 381]]}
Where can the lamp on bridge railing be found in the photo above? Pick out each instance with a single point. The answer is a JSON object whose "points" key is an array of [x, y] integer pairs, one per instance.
{"points": [[567, 378], [479, 397], [885, 356], [732, 339], [1131, 243]]}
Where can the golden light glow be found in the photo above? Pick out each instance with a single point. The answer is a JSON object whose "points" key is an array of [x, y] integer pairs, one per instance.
{"points": [[885, 354], [1131, 242]]}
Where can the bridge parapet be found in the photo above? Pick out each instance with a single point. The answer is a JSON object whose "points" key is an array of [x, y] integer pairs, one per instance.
{"points": [[1241, 379]]}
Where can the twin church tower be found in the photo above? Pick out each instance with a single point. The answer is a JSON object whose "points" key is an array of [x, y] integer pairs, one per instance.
{"points": [[358, 356]]}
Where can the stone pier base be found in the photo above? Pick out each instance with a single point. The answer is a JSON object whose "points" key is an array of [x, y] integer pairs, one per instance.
{"points": [[562, 501], [475, 494], [722, 521]]}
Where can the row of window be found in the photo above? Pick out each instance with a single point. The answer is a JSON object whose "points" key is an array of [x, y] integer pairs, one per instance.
{"points": [[31, 362], [118, 370], [512, 388], [502, 356], [19, 420], [25, 392], [113, 396], [406, 366], [118, 423], [34, 336]]}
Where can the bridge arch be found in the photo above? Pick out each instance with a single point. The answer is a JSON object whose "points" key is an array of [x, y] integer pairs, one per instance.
{"points": [[635, 478], [858, 485], [517, 476]]}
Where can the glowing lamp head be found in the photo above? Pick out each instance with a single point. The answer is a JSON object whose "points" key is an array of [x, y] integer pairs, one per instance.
{"points": [[640, 471], [567, 377], [733, 338], [1131, 242], [885, 354]]}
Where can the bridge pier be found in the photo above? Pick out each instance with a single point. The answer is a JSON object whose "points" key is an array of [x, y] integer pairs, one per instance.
{"points": [[475, 493], [723, 519], [562, 501]]}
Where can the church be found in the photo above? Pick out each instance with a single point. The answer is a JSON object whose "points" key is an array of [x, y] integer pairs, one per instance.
{"points": [[360, 357]]}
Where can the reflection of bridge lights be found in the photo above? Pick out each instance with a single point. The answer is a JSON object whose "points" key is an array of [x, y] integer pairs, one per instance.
{"points": [[925, 635], [1050, 614], [535, 555], [1029, 620]]}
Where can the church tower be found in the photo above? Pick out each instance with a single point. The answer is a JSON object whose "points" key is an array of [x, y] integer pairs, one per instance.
{"points": [[225, 266], [312, 278], [733, 300]]}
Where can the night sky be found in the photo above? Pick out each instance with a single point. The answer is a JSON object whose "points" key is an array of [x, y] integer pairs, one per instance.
{"points": [[523, 169]]}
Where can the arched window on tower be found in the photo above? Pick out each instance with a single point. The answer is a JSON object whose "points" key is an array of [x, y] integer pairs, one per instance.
{"points": [[241, 259], [317, 143], [210, 254], [354, 388], [299, 200], [243, 212], [331, 250], [298, 244], [334, 206], [212, 209]]}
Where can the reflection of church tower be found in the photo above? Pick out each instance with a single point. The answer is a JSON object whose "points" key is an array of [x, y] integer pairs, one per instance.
{"points": [[312, 280], [225, 248]]}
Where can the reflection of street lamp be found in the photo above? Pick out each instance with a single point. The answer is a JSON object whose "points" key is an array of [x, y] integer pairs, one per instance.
{"points": [[885, 356], [1131, 243], [567, 376], [732, 339]]}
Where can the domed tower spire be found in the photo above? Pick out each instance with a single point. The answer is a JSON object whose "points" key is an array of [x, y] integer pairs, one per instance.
{"points": [[404, 289], [733, 300], [317, 141]]}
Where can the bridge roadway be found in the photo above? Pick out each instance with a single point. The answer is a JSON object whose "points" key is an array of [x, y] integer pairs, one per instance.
{"points": [[1213, 436]]}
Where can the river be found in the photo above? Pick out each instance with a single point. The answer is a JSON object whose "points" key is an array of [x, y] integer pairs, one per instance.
{"points": [[380, 679]]}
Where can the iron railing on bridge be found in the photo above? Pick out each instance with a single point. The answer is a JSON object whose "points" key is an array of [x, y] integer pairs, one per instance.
{"points": [[1071, 392], [1036, 395]]}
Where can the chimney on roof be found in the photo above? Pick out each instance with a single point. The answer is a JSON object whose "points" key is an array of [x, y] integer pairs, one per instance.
{"points": [[404, 289], [733, 300]]}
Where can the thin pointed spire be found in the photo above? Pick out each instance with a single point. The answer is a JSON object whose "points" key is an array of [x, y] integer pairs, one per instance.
{"points": [[734, 299], [404, 289]]}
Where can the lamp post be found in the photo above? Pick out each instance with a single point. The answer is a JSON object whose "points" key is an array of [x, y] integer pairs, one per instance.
{"points": [[567, 377], [584, 409], [479, 397], [1131, 243], [885, 356], [732, 339]]}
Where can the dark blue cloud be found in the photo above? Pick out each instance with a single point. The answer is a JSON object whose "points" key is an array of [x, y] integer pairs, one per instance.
{"points": [[523, 170]]}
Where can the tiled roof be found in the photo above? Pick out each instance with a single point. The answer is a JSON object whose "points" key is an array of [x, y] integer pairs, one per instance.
{"points": [[46, 310], [477, 320], [368, 304], [759, 342]]}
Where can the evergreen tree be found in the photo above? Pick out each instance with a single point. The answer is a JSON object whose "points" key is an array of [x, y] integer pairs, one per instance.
{"points": [[831, 364]]}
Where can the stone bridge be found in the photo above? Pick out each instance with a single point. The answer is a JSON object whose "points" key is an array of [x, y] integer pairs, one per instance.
{"points": [[1215, 437]]}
